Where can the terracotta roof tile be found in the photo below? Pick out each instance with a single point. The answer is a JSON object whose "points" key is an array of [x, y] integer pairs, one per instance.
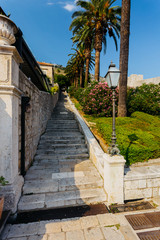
{"points": [[45, 64]]}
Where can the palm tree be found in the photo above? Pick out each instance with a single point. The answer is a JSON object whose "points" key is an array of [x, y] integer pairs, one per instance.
{"points": [[71, 71], [78, 58], [124, 53], [101, 18], [83, 35]]}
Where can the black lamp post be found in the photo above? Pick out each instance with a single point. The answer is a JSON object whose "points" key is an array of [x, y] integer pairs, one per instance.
{"points": [[112, 78]]}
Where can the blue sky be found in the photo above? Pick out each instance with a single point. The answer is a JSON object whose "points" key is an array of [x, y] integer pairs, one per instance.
{"points": [[45, 25]]}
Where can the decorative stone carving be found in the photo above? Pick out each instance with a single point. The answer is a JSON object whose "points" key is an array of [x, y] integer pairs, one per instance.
{"points": [[7, 31], [5, 68]]}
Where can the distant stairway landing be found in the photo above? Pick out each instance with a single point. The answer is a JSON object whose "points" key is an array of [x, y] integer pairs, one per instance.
{"points": [[62, 174]]}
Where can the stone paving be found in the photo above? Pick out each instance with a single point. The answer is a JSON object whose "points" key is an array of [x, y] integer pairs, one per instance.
{"points": [[100, 227]]}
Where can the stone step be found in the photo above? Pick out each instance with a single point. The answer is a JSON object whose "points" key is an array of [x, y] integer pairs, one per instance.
{"points": [[71, 133], [64, 150], [62, 130], [61, 199], [64, 117], [62, 162], [47, 142], [64, 184], [62, 137], [62, 126], [50, 174], [61, 122], [61, 157], [61, 165], [39, 186], [61, 146]]}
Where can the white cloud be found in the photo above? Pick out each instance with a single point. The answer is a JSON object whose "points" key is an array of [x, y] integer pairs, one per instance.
{"points": [[69, 7], [49, 3]]}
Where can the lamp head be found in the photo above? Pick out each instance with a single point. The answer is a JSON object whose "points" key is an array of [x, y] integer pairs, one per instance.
{"points": [[112, 76]]}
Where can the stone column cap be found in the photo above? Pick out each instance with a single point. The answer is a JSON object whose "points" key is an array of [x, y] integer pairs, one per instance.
{"points": [[11, 50], [10, 90], [113, 160]]}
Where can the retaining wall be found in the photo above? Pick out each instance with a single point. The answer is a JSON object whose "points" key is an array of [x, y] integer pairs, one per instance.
{"points": [[142, 181], [36, 117]]}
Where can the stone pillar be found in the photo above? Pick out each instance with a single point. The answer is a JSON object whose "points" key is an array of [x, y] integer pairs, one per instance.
{"points": [[10, 96], [114, 178]]}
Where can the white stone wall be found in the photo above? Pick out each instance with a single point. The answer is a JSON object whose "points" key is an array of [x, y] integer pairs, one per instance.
{"points": [[145, 186], [137, 80], [41, 107]]}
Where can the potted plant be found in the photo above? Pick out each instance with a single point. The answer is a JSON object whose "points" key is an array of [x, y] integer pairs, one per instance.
{"points": [[3, 182]]}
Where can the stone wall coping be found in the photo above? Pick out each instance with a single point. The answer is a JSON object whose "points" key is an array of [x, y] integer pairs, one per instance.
{"points": [[93, 146], [10, 90], [138, 173], [147, 163], [33, 85], [29, 81], [11, 50], [141, 177], [115, 160]]}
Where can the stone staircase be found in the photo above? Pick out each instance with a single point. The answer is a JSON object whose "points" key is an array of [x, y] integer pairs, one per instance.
{"points": [[62, 174]]}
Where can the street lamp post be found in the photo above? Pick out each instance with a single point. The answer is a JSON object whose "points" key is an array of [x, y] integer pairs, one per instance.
{"points": [[112, 78]]}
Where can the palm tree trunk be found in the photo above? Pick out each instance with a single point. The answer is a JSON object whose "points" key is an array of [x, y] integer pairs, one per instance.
{"points": [[76, 82], [98, 49], [81, 77], [97, 65], [87, 58], [124, 53], [87, 72]]}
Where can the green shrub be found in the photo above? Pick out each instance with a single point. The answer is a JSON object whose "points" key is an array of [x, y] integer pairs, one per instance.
{"points": [[54, 89], [138, 136], [3, 181], [99, 100], [145, 98], [71, 90], [62, 80], [96, 99], [86, 92], [78, 94]]}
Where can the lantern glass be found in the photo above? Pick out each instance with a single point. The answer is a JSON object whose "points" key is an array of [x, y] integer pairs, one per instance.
{"points": [[112, 76], [108, 80]]}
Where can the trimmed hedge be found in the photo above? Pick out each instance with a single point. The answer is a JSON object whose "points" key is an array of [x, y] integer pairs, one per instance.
{"points": [[138, 136]]}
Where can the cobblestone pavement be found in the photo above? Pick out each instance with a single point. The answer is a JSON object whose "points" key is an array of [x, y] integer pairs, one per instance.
{"points": [[100, 227]]}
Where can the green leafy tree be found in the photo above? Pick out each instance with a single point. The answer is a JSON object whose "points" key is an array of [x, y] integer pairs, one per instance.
{"points": [[62, 80]]}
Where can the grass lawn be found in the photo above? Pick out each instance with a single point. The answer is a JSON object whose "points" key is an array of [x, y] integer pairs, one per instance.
{"points": [[138, 136]]}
